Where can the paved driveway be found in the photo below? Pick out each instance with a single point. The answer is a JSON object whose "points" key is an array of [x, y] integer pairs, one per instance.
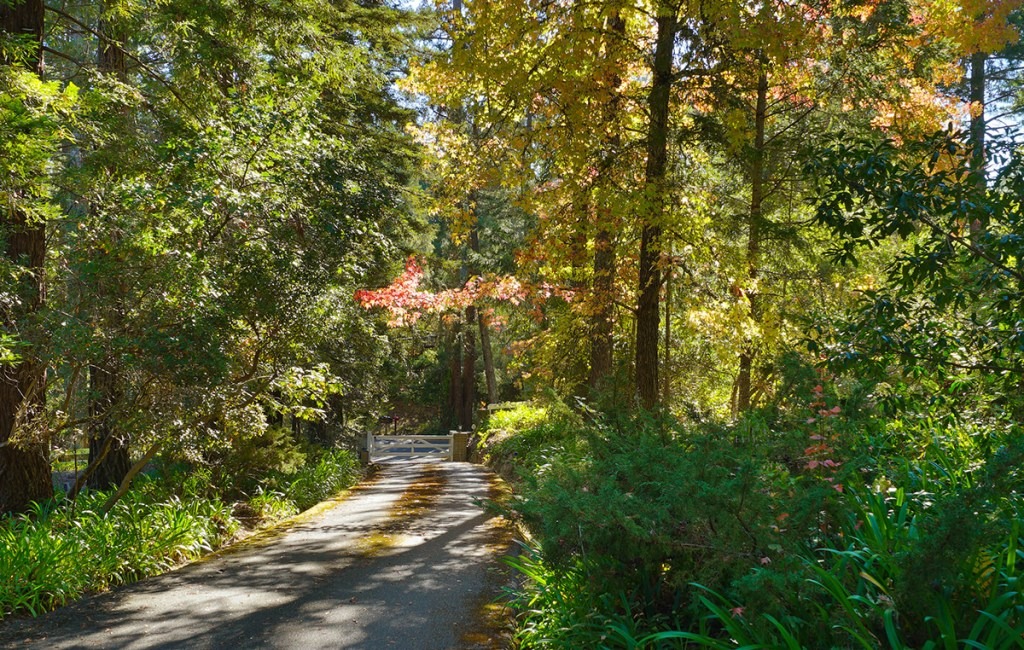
{"points": [[407, 561]]}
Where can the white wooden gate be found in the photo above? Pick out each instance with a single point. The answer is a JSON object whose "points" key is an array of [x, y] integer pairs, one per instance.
{"points": [[387, 447]]}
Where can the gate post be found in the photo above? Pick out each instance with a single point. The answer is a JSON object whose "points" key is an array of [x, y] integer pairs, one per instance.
{"points": [[364, 453], [459, 445]]}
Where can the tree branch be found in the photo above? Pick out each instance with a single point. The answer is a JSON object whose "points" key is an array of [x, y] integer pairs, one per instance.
{"points": [[146, 68]]}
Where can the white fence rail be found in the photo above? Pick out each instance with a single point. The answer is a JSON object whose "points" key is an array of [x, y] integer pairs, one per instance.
{"points": [[385, 447]]}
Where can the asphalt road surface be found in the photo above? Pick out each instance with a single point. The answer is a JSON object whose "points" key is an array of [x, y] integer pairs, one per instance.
{"points": [[408, 560]]}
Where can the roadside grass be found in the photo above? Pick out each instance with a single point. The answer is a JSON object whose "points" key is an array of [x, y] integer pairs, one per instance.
{"points": [[64, 549]]}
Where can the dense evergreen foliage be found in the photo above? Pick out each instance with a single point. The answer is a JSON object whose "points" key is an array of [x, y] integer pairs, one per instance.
{"points": [[212, 181], [852, 531]]}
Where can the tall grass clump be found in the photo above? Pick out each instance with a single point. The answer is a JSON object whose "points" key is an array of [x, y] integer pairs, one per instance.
{"points": [[64, 549], [332, 471], [56, 553]]}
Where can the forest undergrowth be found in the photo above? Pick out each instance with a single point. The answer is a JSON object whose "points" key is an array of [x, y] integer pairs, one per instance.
{"points": [[816, 523]]}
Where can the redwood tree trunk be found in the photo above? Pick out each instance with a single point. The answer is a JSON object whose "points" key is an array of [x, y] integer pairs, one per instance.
{"points": [[647, 312], [603, 311], [744, 388], [108, 448], [24, 444], [485, 333], [108, 451], [468, 404], [452, 415]]}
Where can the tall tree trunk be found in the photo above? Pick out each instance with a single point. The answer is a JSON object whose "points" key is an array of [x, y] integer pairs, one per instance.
{"points": [[747, 356], [110, 55], [108, 448], [24, 448], [488, 357], [467, 409], [647, 312], [485, 332], [452, 416], [577, 244], [465, 397], [666, 379], [603, 309], [602, 323]]}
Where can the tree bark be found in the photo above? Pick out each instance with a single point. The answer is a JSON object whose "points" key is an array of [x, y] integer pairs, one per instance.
{"points": [[488, 357], [108, 448], [24, 443], [25, 19], [743, 380], [648, 313], [110, 53], [452, 417], [603, 309], [485, 333], [666, 379], [467, 408]]}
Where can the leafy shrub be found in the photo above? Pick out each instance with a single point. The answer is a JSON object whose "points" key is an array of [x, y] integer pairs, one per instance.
{"points": [[193, 483], [253, 457], [527, 436], [865, 594], [268, 507], [561, 610], [790, 529], [332, 472], [649, 509], [520, 417]]}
